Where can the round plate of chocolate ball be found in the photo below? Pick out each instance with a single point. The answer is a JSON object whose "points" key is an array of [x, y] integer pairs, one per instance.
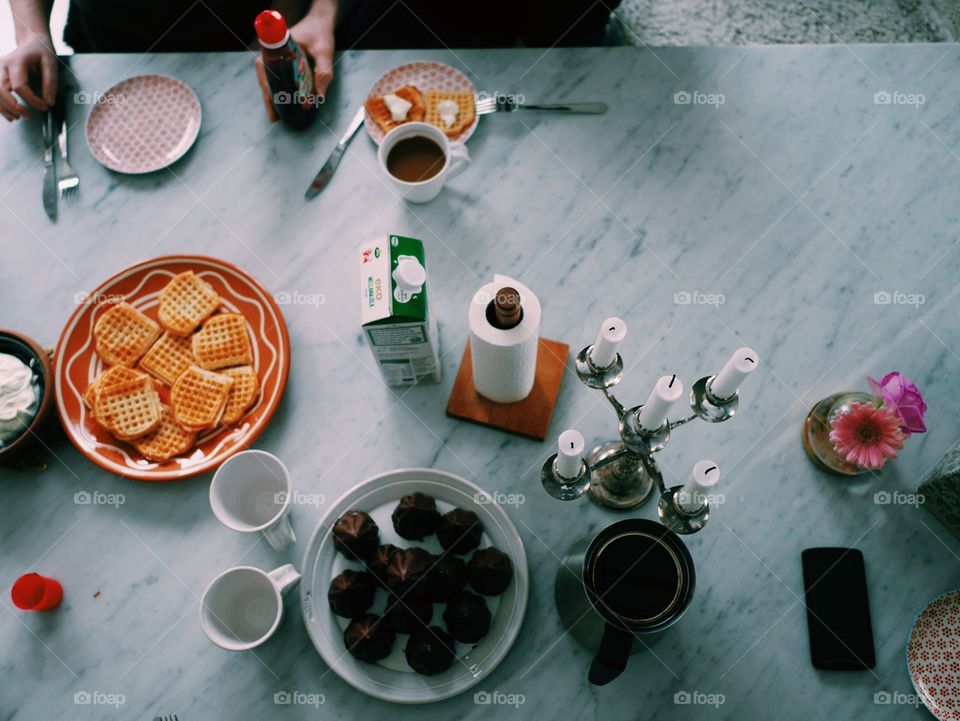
{"points": [[414, 588]]}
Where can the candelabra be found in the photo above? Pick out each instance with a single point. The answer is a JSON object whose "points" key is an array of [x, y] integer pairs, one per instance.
{"points": [[621, 474]]}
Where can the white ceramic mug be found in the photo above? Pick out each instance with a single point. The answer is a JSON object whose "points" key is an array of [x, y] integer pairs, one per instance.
{"points": [[456, 160], [250, 492], [242, 607]]}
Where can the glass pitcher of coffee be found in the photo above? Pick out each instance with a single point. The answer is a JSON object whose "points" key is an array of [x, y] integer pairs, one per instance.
{"points": [[634, 580]]}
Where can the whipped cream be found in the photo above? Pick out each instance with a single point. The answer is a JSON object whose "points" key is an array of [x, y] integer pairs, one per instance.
{"points": [[19, 397], [448, 110], [397, 106]]}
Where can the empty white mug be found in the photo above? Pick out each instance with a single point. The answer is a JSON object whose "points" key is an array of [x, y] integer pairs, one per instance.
{"points": [[456, 160], [251, 492], [242, 607]]}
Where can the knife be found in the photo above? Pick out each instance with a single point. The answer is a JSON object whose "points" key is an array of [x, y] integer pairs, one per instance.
{"points": [[49, 169], [329, 168]]}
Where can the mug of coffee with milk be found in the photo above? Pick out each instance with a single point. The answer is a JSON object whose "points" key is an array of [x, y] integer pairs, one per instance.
{"points": [[418, 158]]}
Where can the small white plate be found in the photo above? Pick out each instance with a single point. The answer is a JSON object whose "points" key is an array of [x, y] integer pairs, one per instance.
{"points": [[392, 679]]}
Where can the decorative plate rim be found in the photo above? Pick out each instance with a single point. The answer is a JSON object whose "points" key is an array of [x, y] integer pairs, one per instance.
{"points": [[105, 162], [214, 460], [924, 696]]}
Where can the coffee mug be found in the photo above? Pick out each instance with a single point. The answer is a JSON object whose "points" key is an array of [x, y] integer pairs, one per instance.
{"points": [[455, 161], [242, 607], [250, 492], [639, 576]]}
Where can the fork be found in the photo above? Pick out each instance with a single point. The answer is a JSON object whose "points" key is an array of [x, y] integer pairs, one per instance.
{"points": [[485, 105], [67, 181], [171, 717]]}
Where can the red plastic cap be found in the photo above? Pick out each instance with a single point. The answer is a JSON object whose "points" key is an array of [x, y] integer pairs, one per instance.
{"points": [[271, 27]]}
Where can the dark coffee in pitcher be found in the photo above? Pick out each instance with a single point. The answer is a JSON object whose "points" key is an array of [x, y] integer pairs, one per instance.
{"points": [[637, 577]]}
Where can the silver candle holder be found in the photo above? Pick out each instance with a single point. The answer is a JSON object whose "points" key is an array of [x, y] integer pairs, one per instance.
{"points": [[621, 474]]}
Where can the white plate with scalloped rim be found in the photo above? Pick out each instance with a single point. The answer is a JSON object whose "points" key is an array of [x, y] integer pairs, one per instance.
{"points": [[392, 679]]}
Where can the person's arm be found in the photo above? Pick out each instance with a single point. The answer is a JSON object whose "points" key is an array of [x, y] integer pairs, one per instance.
{"points": [[314, 34], [33, 56]]}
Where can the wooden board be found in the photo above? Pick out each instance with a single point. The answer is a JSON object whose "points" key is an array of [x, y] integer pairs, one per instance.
{"points": [[529, 417]]}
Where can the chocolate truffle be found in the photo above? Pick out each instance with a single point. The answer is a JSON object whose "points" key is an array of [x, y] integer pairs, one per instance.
{"points": [[407, 570], [447, 577], [430, 651], [369, 638], [351, 593], [416, 516], [489, 571], [467, 617], [409, 613], [377, 565], [459, 531], [355, 535]]}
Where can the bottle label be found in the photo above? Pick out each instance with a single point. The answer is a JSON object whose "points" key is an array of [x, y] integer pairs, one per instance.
{"points": [[303, 77]]}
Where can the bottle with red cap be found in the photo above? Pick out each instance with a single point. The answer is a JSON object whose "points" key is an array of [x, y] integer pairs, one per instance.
{"points": [[288, 71]]}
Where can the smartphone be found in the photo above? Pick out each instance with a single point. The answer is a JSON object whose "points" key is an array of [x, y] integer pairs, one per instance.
{"points": [[838, 611]]}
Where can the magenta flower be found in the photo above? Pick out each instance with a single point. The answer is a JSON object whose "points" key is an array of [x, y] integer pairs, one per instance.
{"points": [[901, 395]]}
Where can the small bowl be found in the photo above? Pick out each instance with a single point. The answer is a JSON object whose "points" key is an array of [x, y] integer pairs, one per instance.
{"points": [[38, 360]]}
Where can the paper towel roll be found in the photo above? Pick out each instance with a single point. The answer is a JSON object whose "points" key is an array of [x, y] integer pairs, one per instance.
{"points": [[504, 361]]}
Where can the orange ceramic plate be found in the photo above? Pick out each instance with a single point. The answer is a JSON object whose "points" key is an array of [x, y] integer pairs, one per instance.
{"points": [[77, 365]]}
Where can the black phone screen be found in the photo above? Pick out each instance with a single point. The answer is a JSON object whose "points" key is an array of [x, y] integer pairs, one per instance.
{"points": [[838, 612]]}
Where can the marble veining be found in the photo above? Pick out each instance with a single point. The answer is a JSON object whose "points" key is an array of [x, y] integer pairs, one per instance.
{"points": [[784, 188]]}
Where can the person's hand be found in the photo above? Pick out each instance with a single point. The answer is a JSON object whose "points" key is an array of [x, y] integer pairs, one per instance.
{"points": [[33, 57], [314, 35]]}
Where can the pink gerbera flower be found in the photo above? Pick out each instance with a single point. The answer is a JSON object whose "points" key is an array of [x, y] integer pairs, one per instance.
{"points": [[867, 436]]}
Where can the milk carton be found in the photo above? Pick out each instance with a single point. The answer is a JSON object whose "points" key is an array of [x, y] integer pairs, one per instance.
{"points": [[394, 311]]}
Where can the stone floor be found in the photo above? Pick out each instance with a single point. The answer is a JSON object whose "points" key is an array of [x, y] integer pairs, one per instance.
{"points": [[746, 22]]}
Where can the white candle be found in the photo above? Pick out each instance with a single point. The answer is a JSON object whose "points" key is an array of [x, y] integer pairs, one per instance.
{"points": [[703, 477], [662, 397], [741, 364], [604, 351], [570, 447]]}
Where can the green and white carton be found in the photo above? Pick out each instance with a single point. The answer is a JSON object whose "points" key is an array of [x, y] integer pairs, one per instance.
{"points": [[395, 313]]}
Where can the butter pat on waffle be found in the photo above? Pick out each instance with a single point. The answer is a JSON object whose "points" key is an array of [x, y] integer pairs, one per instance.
{"points": [[170, 356], [123, 334], [452, 124], [379, 108], [199, 397], [242, 393], [223, 342], [185, 302], [130, 409], [167, 440]]}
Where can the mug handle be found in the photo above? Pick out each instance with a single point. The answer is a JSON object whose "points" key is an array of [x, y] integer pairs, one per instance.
{"points": [[284, 578], [611, 658], [280, 534], [459, 160]]}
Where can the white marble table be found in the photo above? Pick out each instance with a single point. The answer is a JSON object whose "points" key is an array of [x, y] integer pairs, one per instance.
{"points": [[797, 200]]}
